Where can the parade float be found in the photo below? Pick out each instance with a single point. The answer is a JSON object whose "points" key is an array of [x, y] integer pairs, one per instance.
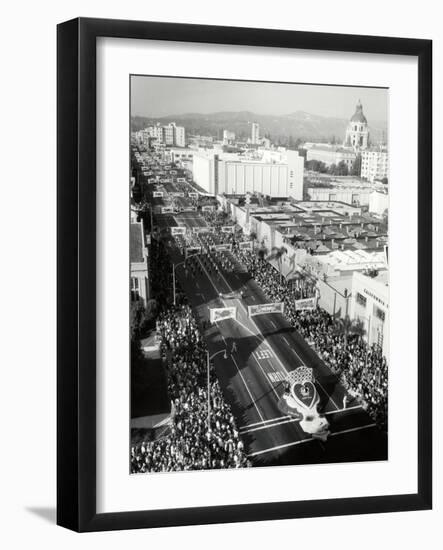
{"points": [[301, 400]]}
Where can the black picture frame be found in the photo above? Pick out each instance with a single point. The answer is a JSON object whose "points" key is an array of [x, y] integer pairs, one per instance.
{"points": [[76, 273]]}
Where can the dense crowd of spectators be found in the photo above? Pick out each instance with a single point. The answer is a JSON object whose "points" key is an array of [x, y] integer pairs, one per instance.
{"points": [[362, 369], [192, 443], [198, 440], [275, 287]]}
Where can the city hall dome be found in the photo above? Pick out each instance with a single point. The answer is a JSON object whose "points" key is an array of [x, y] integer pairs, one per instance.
{"points": [[358, 116]]}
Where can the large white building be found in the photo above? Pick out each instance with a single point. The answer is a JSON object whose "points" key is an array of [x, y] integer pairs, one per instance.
{"points": [[374, 164], [235, 174], [370, 304]]}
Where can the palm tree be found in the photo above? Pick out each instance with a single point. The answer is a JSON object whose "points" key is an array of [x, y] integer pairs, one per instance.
{"points": [[346, 326], [151, 309], [253, 237], [262, 252], [277, 254], [343, 327], [359, 329]]}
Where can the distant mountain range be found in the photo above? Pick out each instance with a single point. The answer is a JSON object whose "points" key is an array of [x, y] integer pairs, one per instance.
{"points": [[297, 126]]}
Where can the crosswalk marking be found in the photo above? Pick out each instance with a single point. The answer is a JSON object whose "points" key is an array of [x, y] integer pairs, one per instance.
{"points": [[263, 354], [276, 377]]}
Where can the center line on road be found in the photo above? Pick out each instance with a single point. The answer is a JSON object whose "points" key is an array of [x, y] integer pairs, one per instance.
{"points": [[247, 389], [259, 331]]}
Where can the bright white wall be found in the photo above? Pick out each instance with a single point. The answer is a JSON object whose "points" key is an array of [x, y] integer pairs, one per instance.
{"points": [[202, 172], [28, 296]]}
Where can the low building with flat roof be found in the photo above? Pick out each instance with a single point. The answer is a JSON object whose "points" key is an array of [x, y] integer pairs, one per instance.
{"points": [[138, 253]]}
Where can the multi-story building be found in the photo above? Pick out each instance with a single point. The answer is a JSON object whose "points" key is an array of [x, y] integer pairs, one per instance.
{"points": [[168, 134], [180, 138], [228, 137], [356, 142], [236, 174], [255, 132], [139, 263], [374, 164], [182, 155]]}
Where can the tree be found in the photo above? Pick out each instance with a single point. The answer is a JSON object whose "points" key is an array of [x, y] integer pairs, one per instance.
{"points": [[346, 326], [277, 254], [137, 319], [253, 237], [359, 329], [340, 169], [262, 252], [316, 166], [151, 309]]}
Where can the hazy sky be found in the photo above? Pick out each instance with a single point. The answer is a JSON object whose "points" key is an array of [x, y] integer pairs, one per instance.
{"points": [[162, 96]]}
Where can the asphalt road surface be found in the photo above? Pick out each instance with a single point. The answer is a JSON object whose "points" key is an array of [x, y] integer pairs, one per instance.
{"points": [[252, 356]]}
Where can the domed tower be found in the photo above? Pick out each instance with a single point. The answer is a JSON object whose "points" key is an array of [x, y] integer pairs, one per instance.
{"points": [[357, 132]]}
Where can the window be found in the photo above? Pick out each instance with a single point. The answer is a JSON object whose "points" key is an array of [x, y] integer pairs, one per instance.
{"points": [[135, 295], [380, 339], [361, 300], [379, 313]]}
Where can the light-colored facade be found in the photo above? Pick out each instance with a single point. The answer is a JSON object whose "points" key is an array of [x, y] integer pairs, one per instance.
{"points": [[180, 155], [357, 132], [378, 202], [168, 134], [370, 304], [139, 283], [374, 164], [330, 154], [180, 136], [228, 136], [233, 174], [358, 196]]}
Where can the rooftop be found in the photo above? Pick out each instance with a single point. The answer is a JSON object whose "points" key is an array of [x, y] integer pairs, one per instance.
{"points": [[136, 242]]}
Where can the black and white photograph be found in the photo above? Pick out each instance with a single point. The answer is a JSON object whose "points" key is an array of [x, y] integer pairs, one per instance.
{"points": [[259, 274]]}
